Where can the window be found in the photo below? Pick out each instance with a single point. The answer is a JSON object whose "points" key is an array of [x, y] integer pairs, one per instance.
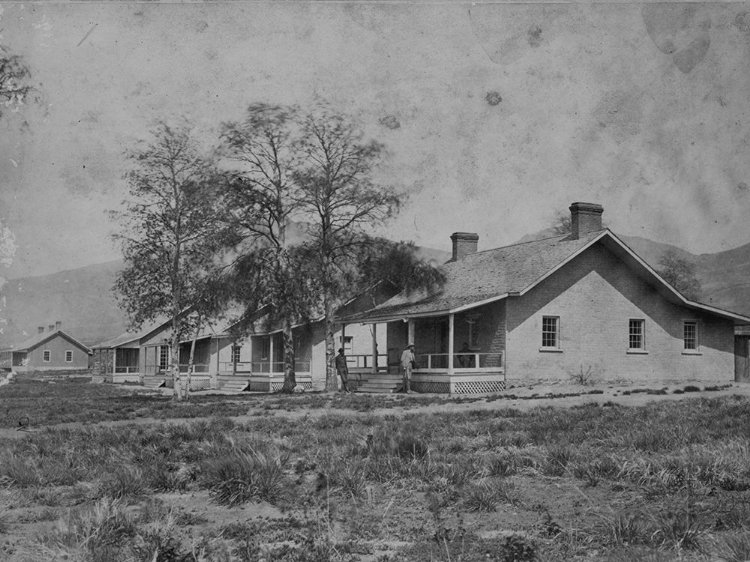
{"points": [[163, 357], [690, 335], [236, 349], [473, 333], [68, 356], [265, 348], [551, 332], [348, 345], [636, 334], [46, 356]]}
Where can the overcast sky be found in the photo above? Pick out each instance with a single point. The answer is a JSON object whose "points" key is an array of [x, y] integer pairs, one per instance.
{"points": [[495, 116]]}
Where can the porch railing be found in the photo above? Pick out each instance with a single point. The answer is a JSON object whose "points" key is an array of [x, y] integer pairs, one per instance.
{"points": [[126, 370], [239, 367], [364, 361], [196, 368], [278, 367], [461, 361]]}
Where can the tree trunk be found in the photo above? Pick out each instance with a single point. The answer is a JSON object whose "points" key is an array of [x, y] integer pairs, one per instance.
{"points": [[330, 328], [290, 378], [176, 378], [191, 361]]}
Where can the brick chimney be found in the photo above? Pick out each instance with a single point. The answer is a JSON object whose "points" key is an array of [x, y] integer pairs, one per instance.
{"points": [[58, 325], [585, 218], [464, 243], [51, 327], [40, 330]]}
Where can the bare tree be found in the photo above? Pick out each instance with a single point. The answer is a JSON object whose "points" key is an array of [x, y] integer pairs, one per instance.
{"points": [[344, 205], [262, 199], [169, 235], [562, 224]]}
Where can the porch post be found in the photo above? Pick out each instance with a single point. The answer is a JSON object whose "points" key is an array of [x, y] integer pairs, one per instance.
{"points": [[451, 333], [270, 354], [411, 331], [114, 360], [374, 348]]}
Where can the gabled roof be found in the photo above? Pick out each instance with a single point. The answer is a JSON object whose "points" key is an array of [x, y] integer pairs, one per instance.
{"points": [[485, 276], [131, 338], [492, 275], [40, 339]]}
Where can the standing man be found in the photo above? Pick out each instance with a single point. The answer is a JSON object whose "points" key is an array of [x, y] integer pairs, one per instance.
{"points": [[343, 370], [407, 364]]}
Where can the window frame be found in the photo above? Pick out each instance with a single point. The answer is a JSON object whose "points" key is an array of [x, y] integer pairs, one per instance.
{"points": [[556, 333], [163, 358], [473, 333], [46, 356], [236, 354], [68, 353], [641, 323], [696, 349], [265, 348], [347, 342]]}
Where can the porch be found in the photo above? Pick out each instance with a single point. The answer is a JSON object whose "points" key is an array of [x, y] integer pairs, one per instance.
{"points": [[125, 365], [458, 353]]}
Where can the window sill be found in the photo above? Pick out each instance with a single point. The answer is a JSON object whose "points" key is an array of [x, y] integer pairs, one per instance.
{"points": [[637, 352], [691, 352], [550, 349]]}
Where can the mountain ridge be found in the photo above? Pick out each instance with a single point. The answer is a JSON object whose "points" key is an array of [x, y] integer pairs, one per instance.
{"points": [[83, 300]]}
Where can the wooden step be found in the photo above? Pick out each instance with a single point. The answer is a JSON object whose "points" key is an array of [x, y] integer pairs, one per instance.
{"points": [[154, 382], [375, 386], [235, 386]]}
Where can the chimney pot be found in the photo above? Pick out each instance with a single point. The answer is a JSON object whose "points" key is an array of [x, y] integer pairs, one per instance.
{"points": [[464, 243], [585, 218]]}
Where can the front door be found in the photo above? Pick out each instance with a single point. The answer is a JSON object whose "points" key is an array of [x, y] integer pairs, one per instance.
{"points": [[742, 358]]}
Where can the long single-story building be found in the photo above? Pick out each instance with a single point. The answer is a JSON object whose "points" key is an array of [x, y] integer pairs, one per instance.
{"points": [[547, 310]]}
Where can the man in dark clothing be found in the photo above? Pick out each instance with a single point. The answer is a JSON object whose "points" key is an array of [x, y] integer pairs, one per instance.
{"points": [[343, 370]]}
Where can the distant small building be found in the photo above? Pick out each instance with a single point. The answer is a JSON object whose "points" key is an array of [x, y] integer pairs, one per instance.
{"points": [[48, 350]]}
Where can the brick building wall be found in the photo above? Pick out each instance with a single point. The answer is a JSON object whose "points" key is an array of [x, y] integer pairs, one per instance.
{"points": [[594, 298]]}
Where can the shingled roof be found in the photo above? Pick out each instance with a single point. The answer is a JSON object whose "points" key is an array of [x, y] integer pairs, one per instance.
{"points": [[38, 339], [486, 275], [491, 275]]}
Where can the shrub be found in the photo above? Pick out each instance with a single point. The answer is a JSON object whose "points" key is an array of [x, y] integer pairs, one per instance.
{"points": [[691, 388], [480, 497], [557, 460], [516, 548], [731, 547], [678, 529], [124, 482], [240, 477], [106, 524]]}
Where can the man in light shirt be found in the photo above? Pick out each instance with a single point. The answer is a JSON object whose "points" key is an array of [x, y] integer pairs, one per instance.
{"points": [[407, 364]]}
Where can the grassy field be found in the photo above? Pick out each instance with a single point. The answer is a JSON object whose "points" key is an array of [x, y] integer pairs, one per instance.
{"points": [[369, 478]]}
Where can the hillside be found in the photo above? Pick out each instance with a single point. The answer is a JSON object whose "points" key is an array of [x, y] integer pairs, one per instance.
{"points": [[81, 299]]}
